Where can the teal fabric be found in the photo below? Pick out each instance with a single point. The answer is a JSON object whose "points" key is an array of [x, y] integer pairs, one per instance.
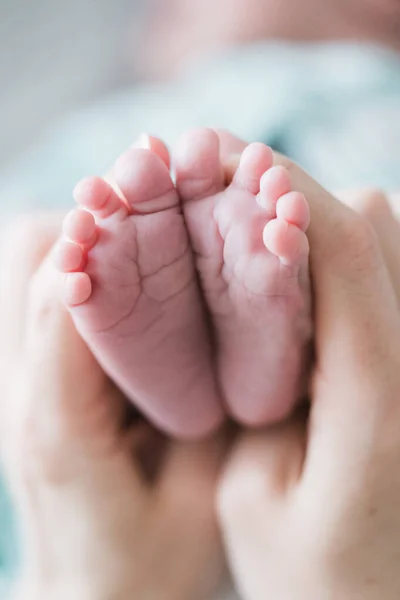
{"points": [[9, 555], [334, 108]]}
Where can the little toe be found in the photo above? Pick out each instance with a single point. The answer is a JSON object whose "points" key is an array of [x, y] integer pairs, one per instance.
{"points": [[68, 256], [286, 241], [255, 160], [274, 184], [293, 208], [198, 166], [77, 288], [79, 226], [98, 197], [145, 181]]}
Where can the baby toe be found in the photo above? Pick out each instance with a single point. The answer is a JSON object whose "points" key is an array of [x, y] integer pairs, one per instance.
{"points": [[274, 183], [286, 241], [79, 226], [255, 160], [293, 208], [98, 197], [77, 288], [68, 256], [198, 166], [145, 181]]}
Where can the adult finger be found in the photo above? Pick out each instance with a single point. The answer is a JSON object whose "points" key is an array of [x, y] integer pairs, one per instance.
{"points": [[262, 470], [185, 494], [355, 410], [230, 148], [66, 454], [24, 245], [379, 209], [190, 467], [355, 307], [67, 394]]}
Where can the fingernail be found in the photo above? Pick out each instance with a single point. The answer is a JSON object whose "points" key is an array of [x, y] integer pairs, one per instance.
{"points": [[143, 141]]}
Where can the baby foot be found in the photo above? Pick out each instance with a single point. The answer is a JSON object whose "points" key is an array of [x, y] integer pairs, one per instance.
{"points": [[132, 291], [252, 259]]}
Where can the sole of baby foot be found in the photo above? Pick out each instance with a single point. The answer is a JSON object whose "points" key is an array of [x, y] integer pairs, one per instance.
{"points": [[252, 259], [130, 285]]}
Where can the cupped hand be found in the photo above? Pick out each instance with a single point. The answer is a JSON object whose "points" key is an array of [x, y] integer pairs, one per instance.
{"points": [[107, 507], [310, 508]]}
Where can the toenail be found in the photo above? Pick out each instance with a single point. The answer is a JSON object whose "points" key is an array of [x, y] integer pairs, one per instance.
{"points": [[143, 142]]}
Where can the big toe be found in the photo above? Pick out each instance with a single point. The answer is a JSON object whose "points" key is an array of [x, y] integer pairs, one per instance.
{"points": [[145, 181], [198, 166]]}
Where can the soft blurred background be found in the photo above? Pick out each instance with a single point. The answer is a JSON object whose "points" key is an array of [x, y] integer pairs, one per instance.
{"points": [[57, 55], [317, 79], [54, 55]]}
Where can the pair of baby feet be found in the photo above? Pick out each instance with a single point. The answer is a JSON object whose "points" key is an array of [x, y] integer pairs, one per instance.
{"points": [[193, 297]]}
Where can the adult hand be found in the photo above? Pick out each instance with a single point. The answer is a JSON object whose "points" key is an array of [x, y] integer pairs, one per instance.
{"points": [[310, 508], [94, 523]]}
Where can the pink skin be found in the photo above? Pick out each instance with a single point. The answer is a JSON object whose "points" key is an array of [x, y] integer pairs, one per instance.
{"points": [[131, 284], [131, 288], [252, 258]]}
